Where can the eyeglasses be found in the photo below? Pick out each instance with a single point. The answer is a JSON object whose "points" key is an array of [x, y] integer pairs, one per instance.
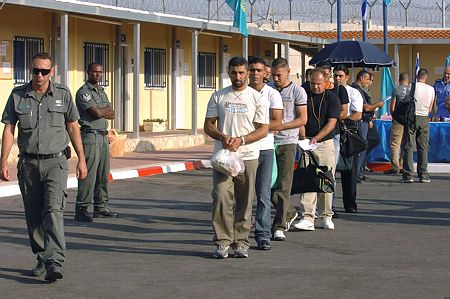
{"points": [[44, 72]]}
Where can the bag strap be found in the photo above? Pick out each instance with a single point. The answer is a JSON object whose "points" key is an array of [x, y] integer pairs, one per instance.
{"points": [[312, 159]]}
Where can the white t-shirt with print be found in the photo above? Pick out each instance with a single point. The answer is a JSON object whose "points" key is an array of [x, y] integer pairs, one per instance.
{"points": [[237, 111], [275, 102]]}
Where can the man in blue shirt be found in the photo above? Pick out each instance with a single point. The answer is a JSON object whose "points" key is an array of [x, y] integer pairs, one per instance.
{"points": [[442, 89]]}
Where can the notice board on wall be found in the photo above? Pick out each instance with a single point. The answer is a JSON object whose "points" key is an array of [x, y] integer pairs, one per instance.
{"points": [[5, 60]]}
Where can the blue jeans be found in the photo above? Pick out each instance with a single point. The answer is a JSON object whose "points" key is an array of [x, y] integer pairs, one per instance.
{"points": [[263, 204], [364, 129]]}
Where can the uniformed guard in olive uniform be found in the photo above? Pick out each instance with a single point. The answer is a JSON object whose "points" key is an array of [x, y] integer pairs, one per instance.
{"points": [[95, 109], [46, 117]]}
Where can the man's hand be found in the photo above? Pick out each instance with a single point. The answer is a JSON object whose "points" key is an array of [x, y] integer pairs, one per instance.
{"points": [[5, 172], [379, 104], [81, 169], [234, 143]]}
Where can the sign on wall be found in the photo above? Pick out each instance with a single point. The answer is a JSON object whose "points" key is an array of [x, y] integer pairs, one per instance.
{"points": [[5, 60]]}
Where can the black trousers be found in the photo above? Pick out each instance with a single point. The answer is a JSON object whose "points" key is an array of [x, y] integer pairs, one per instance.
{"points": [[349, 181]]}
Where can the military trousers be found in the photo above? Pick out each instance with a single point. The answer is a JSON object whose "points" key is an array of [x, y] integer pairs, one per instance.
{"points": [[94, 188], [232, 206], [43, 184]]}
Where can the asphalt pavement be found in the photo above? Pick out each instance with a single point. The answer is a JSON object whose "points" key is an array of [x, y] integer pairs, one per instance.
{"points": [[396, 246]]}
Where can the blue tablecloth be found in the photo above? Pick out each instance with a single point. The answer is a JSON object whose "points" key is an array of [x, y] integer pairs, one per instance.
{"points": [[439, 142]]}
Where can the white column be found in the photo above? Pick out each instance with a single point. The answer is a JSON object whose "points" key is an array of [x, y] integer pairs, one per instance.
{"points": [[63, 68], [194, 81], [245, 47], [286, 51], [136, 74], [396, 59]]}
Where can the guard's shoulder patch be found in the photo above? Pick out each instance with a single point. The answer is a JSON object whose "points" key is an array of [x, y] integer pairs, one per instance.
{"points": [[86, 97]]}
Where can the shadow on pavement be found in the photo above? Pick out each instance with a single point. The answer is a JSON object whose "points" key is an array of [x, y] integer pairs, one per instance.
{"points": [[20, 276]]}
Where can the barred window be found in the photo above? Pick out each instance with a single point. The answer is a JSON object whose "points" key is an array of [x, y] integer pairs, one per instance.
{"points": [[24, 49], [154, 67], [98, 53], [206, 70]]}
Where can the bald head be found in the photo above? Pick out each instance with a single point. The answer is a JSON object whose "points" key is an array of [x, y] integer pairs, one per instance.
{"points": [[446, 77]]}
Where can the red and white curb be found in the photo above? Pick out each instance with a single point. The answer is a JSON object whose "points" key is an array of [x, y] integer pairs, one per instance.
{"points": [[12, 188]]}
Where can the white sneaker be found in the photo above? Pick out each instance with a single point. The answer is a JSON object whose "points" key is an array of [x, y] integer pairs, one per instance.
{"points": [[304, 224], [278, 235], [326, 224], [290, 221]]}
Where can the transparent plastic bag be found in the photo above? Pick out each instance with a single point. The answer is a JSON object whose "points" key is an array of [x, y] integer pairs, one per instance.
{"points": [[228, 162]]}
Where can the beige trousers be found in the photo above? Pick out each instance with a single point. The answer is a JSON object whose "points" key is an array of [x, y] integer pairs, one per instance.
{"points": [[309, 202]]}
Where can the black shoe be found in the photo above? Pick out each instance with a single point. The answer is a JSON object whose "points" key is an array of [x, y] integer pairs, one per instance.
{"points": [[106, 213], [54, 272], [367, 169], [351, 210], [392, 171], [363, 178], [82, 215], [264, 245], [39, 269], [335, 214]]}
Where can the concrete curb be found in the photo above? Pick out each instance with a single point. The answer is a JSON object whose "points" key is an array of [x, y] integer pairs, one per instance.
{"points": [[12, 188]]}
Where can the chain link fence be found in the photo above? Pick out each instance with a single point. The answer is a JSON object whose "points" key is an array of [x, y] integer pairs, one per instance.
{"points": [[421, 13]]}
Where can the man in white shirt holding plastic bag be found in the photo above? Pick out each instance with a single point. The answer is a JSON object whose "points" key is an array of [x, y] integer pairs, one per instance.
{"points": [[241, 114]]}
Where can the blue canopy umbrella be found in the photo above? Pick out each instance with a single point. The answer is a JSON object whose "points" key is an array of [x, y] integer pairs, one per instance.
{"points": [[353, 53]]}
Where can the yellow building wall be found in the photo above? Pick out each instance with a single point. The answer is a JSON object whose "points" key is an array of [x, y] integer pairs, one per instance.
{"points": [[10, 26], [154, 102], [80, 32]]}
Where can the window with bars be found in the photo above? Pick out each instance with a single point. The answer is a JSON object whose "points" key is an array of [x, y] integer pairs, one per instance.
{"points": [[206, 70], [154, 67], [98, 53], [24, 49]]}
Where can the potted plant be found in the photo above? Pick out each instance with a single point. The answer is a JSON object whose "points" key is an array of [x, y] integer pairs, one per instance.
{"points": [[154, 125]]}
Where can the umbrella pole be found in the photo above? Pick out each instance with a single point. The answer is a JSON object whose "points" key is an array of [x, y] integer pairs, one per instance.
{"points": [[353, 73]]}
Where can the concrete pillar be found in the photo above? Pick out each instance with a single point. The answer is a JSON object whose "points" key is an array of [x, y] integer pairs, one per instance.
{"points": [[136, 74], [194, 81]]}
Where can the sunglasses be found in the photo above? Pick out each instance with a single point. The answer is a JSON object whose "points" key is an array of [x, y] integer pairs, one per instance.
{"points": [[44, 72]]}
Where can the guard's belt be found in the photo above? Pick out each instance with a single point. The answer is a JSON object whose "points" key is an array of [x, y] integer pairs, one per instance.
{"points": [[94, 131], [41, 156]]}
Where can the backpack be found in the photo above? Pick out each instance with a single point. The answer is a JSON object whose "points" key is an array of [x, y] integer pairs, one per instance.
{"points": [[405, 113]]}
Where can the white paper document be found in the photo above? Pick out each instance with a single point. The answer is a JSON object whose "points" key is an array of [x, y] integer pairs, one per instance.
{"points": [[306, 145]]}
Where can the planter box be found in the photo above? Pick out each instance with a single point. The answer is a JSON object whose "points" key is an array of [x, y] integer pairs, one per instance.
{"points": [[150, 126]]}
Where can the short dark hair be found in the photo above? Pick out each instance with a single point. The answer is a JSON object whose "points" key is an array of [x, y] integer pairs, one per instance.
{"points": [[280, 63], [238, 61], [362, 73], [422, 73], [308, 72], [342, 67], [42, 55], [256, 59], [90, 65], [403, 77], [325, 64]]}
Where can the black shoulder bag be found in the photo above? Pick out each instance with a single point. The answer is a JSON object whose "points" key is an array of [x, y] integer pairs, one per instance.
{"points": [[405, 113], [312, 177]]}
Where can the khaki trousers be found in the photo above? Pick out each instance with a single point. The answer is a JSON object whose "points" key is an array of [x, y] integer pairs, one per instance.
{"points": [[325, 156], [396, 145], [232, 227]]}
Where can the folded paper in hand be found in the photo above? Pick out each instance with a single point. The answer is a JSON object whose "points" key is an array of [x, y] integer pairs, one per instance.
{"points": [[306, 145]]}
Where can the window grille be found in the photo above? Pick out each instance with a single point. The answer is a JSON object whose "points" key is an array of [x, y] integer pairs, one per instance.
{"points": [[206, 70], [155, 67], [24, 49], [98, 53]]}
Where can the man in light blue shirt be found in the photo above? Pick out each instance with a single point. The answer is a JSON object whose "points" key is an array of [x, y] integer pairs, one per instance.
{"points": [[442, 90]]}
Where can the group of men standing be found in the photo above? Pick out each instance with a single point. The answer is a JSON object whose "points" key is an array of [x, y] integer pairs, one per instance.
{"points": [[430, 104], [47, 119], [263, 121]]}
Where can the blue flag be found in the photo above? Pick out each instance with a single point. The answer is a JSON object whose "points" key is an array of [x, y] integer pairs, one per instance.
{"points": [[387, 2], [447, 61], [240, 19], [387, 87], [364, 10]]}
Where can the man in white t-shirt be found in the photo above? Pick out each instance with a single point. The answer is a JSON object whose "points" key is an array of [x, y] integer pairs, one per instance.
{"points": [[241, 116], [266, 146], [424, 96], [294, 117]]}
